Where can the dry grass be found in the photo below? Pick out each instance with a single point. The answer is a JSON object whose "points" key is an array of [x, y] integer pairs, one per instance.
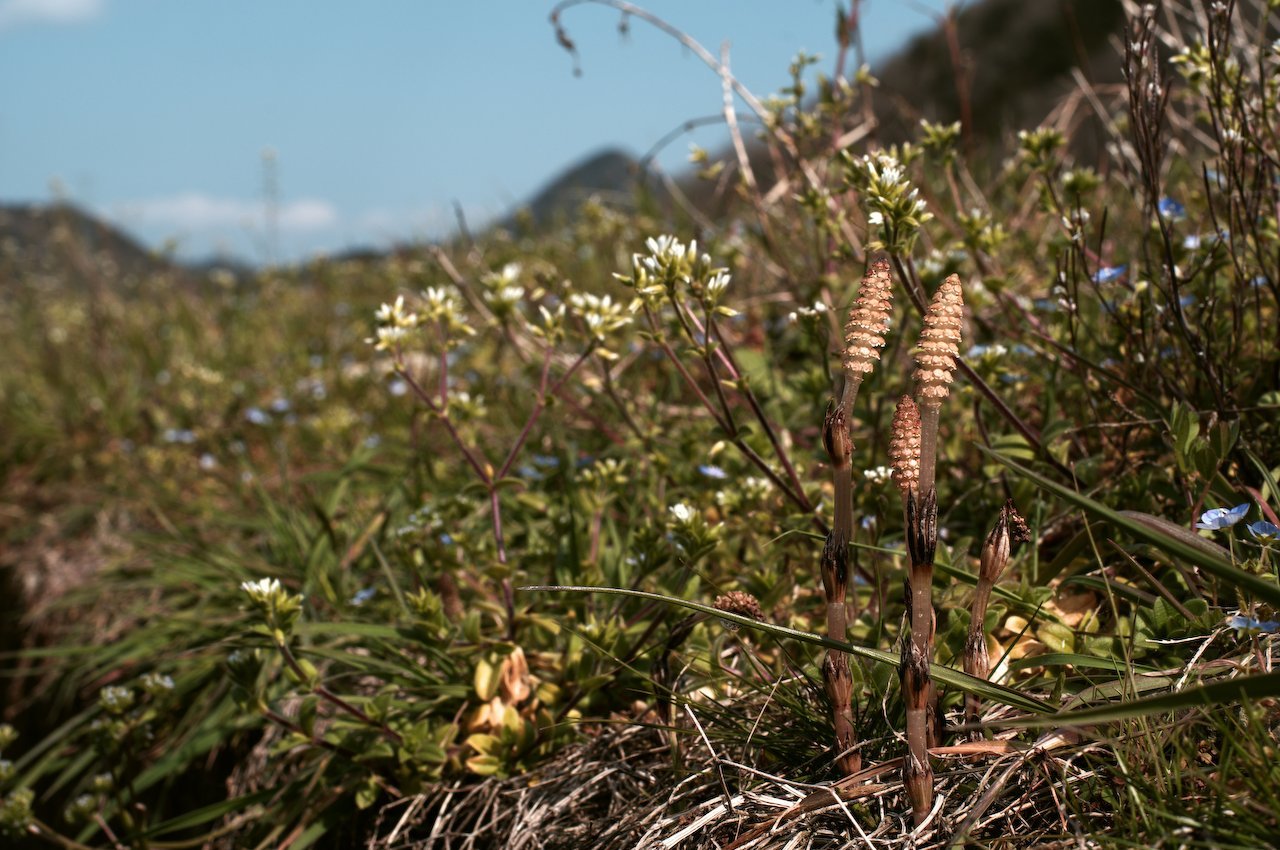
{"points": [[616, 791]]}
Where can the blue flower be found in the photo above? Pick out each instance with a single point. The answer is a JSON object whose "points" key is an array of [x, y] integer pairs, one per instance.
{"points": [[364, 595], [257, 416], [1171, 209], [1240, 621], [1191, 241], [1264, 532], [178, 435], [1106, 274], [713, 472], [1217, 519]]}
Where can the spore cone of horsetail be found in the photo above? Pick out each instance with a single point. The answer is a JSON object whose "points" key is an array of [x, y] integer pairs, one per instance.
{"points": [[935, 365], [904, 446], [865, 330]]}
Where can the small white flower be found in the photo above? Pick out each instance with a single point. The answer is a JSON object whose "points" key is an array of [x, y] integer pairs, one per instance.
{"points": [[875, 217], [681, 512], [262, 590], [877, 475], [718, 283]]}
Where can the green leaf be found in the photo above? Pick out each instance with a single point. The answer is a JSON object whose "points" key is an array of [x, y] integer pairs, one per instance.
{"points": [[1175, 545], [1218, 693], [1078, 661], [347, 630], [208, 813], [946, 675]]}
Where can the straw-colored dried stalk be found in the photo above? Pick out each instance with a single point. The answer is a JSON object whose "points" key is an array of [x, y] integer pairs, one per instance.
{"points": [[1010, 529]]}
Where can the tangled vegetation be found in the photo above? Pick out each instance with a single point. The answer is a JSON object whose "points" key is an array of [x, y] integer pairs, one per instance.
{"points": [[353, 552]]}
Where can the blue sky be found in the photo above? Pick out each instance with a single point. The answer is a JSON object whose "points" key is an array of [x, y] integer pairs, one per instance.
{"points": [[381, 114]]}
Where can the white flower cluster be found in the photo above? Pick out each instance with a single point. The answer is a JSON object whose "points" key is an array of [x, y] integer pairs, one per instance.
{"points": [[263, 591], [681, 514], [115, 699], [440, 305], [818, 309], [892, 202], [671, 264], [502, 289], [395, 324], [602, 317], [878, 474], [269, 596]]}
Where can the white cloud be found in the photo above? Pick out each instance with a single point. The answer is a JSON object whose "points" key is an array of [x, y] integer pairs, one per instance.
{"points": [[15, 13], [197, 211]]}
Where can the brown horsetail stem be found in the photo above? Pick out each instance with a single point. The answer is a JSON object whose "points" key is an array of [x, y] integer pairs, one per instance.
{"points": [[864, 337], [920, 520], [1009, 530], [935, 364], [834, 567]]}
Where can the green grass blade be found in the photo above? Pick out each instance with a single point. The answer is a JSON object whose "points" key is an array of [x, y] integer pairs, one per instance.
{"points": [[1217, 693], [1175, 545], [1080, 662], [198, 817], [945, 675]]}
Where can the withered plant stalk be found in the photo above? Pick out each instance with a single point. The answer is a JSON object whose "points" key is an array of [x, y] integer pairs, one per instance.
{"points": [[1009, 529], [864, 337]]}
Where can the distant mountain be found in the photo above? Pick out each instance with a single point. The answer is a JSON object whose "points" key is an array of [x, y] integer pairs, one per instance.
{"points": [[68, 243], [609, 174], [1015, 61]]}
